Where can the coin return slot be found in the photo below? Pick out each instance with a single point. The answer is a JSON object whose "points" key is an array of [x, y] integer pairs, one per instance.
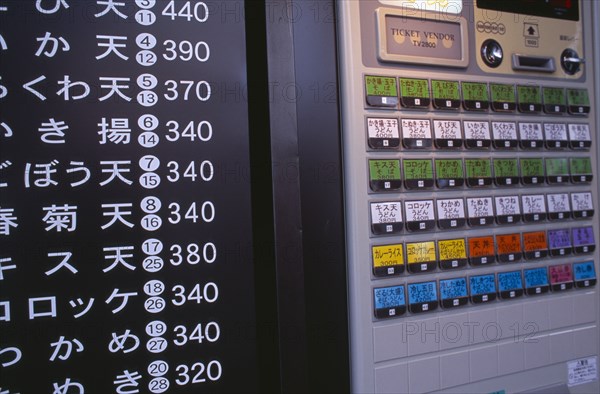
{"points": [[533, 63]]}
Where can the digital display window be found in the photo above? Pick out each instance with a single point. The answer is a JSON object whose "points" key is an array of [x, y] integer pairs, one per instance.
{"points": [[585, 274], [422, 297], [452, 253], [555, 100], [530, 98], [536, 280], [384, 175], [561, 277], [535, 244], [503, 97], [449, 172], [453, 288], [511, 283], [557, 169], [446, 94], [559, 242], [381, 91], [481, 250], [389, 301], [388, 259], [532, 171], [509, 247], [418, 173], [479, 172], [557, 9], [578, 101], [421, 256], [475, 96], [506, 172], [414, 92], [482, 288], [581, 169]]}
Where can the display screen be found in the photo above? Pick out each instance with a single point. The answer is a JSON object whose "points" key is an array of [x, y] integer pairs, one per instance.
{"points": [[529, 94], [451, 168], [559, 239], [416, 88], [560, 273], [386, 212], [453, 288], [420, 293], [384, 170], [481, 246], [508, 243], [554, 96], [506, 168], [418, 169], [558, 9], [478, 168], [532, 167], [584, 271], [583, 236], [510, 281], [389, 297], [536, 277], [381, 86], [482, 284], [474, 91], [578, 97], [535, 241], [503, 93], [447, 90]]}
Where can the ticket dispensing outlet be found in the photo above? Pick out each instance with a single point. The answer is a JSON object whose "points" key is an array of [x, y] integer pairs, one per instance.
{"points": [[471, 165]]}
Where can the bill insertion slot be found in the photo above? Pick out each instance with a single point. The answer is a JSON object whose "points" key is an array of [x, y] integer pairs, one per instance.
{"points": [[533, 63]]}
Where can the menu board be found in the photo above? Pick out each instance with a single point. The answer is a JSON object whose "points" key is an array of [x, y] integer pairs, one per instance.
{"points": [[125, 199]]}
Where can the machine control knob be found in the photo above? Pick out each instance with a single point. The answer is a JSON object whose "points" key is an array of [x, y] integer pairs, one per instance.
{"points": [[492, 53], [571, 62]]}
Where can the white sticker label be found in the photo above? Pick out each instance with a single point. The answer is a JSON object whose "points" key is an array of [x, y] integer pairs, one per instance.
{"points": [[583, 371], [447, 129], [533, 204], [507, 205], [416, 128], [383, 128], [579, 132], [480, 207], [504, 130], [558, 203], [530, 131], [477, 130], [555, 131], [451, 209], [419, 211], [582, 201], [386, 212]]}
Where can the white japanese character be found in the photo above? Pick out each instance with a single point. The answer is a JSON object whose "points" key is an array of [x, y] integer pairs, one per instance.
{"points": [[5, 164], [124, 296], [7, 220], [114, 87], [80, 168], [117, 214], [6, 267], [5, 305], [46, 170], [7, 130], [128, 382], [80, 303], [58, 345], [110, 6], [118, 257], [60, 217], [53, 131], [118, 132], [51, 303], [17, 356], [3, 45], [3, 90], [68, 85], [118, 342], [28, 87], [115, 171], [55, 45], [64, 389], [112, 46], [57, 5], [63, 264]]}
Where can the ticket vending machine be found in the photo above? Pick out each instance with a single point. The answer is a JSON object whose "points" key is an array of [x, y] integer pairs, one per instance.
{"points": [[470, 143]]}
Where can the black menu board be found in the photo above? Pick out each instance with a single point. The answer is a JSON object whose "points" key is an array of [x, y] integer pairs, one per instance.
{"points": [[125, 226]]}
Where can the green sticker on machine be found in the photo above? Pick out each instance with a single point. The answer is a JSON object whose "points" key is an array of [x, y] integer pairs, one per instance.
{"points": [[506, 168], [529, 94], [381, 86], [502, 93], [415, 88], [581, 166], [445, 90], [557, 166], [418, 169], [474, 91], [478, 168], [449, 168], [578, 97], [554, 96], [384, 170], [532, 167]]}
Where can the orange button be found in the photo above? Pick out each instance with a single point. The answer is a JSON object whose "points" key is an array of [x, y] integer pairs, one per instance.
{"points": [[508, 243], [481, 246], [535, 241]]}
